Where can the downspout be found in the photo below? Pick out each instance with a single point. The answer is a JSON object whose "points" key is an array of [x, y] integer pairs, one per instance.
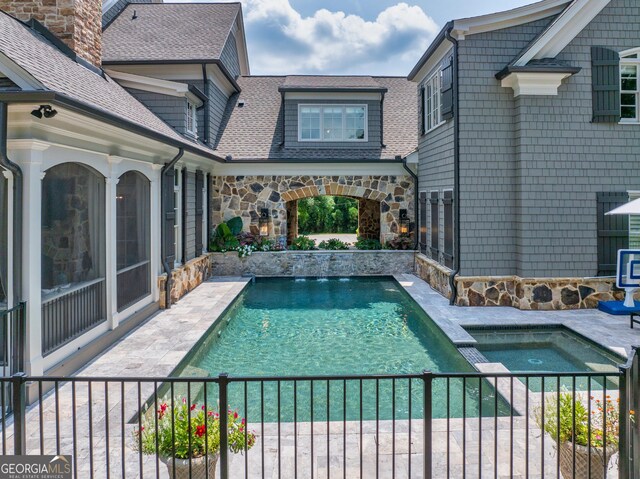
{"points": [[415, 199], [456, 168], [207, 119], [16, 171], [163, 234]]}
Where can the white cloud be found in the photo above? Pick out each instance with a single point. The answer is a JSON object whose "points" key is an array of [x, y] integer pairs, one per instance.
{"points": [[283, 41]]}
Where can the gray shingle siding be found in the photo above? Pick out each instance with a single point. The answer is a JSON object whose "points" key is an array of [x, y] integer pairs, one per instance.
{"points": [[190, 224], [229, 56], [530, 167], [291, 125], [171, 109], [217, 105]]}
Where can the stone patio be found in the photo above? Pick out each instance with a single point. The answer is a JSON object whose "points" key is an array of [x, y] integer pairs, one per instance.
{"points": [[155, 349]]}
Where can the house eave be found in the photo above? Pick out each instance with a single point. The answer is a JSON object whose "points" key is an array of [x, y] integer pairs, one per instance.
{"points": [[534, 83], [285, 89]]}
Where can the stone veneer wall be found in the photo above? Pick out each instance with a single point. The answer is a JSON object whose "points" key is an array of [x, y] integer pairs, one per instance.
{"points": [[315, 263], [186, 278], [433, 273], [244, 196], [536, 293]]}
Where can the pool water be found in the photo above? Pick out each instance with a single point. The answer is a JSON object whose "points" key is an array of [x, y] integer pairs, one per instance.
{"points": [[312, 327], [547, 350]]}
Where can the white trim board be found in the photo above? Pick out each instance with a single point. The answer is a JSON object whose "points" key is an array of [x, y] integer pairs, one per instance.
{"points": [[534, 83]]}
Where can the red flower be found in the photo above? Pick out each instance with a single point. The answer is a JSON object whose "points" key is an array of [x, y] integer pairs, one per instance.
{"points": [[200, 431], [193, 407], [235, 415]]}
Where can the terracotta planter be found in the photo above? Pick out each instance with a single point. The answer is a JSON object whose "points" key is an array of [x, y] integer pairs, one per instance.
{"points": [[198, 467], [582, 461]]}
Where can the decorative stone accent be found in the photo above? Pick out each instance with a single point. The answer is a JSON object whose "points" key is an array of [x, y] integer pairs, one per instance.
{"points": [[536, 293], [368, 219], [185, 278], [78, 23], [433, 273], [244, 196], [314, 263]]}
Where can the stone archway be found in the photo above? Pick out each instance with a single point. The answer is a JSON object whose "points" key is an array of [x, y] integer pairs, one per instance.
{"points": [[245, 196]]}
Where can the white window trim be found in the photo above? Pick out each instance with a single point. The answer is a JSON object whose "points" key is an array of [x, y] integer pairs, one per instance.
{"points": [[177, 225], [344, 119], [635, 62], [192, 112], [427, 114]]}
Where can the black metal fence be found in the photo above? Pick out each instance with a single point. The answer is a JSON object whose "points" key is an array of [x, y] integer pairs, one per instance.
{"points": [[12, 339], [414, 426], [67, 315]]}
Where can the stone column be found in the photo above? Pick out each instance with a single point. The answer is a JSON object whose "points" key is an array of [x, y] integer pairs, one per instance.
{"points": [[368, 219], [292, 220]]}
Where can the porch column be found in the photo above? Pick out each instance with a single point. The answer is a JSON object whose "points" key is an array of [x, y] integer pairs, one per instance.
{"points": [[111, 251], [30, 160], [156, 237]]}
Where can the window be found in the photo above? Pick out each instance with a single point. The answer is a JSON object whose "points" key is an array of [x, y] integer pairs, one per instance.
{"points": [[177, 209], [332, 123], [192, 118], [432, 115], [630, 87]]}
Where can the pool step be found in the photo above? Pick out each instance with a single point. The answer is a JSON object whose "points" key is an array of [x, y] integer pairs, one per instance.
{"points": [[473, 355]]}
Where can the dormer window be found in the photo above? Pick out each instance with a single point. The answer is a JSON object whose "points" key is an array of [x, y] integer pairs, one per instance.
{"points": [[630, 87], [333, 123], [192, 118]]}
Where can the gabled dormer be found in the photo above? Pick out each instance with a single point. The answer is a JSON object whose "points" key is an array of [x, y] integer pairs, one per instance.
{"points": [[337, 112]]}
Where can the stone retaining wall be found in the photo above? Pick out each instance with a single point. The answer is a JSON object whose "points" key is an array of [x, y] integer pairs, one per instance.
{"points": [[536, 293], [314, 263], [433, 273], [185, 278]]}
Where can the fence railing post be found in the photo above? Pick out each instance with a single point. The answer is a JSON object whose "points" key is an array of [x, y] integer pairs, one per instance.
{"points": [[633, 386], [427, 377], [19, 381], [223, 383], [624, 442]]}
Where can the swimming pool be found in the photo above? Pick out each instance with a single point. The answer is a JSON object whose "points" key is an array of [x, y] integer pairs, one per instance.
{"points": [[311, 327]]}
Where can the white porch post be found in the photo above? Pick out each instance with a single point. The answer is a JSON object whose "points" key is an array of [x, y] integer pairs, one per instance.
{"points": [[29, 156], [111, 251], [9, 286], [154, 247]]}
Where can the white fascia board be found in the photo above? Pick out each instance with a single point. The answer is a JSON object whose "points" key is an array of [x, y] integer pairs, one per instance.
{"points": [[329, 169], [433, 61], [241, 45], [155, 85], [563, 30], [413, 158], [215, 75], [327, 95], [18, 75], [510, 18], [534, 83]]}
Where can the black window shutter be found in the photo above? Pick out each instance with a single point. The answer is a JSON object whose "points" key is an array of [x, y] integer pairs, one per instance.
{"points": [[605, 80], [446, 90], [435, 221], [447, 201], [421, 111], [199, 210], [168, 217], [185, 213], [423, 222], [613, 231]]}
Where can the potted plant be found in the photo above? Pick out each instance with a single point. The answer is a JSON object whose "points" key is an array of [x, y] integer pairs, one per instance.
{"points": [[585, 440], [189, 433]]}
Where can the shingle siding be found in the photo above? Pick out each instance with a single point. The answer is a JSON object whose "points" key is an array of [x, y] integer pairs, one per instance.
{"points": [[171, 109], [291, 125], [217, 106], [530, 167], [229, 56]]}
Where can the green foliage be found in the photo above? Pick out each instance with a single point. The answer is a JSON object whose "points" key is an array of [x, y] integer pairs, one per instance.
{"points": [[561, 426], [368, 244], [235, 225], [189, 430], [327, 214], [401, 242], [303, 243], [224, 236], [333, 244]]}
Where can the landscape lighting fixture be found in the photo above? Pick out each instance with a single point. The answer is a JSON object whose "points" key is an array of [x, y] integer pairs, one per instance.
{"points": [[45, 110], [263, 222], [404, 222]]}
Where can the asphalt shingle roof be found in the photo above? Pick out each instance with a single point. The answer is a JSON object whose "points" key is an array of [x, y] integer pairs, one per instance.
{"points": [[254, 131], [169, 31], [59, 73], [315, 82]]}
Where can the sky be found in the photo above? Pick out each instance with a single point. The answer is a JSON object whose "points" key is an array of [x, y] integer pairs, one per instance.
{"points": [[349, 37]]}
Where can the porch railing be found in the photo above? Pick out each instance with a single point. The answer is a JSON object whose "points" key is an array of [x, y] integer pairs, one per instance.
{"points": [[12, 339], [426, 425], [133, 284], [67, 315]]}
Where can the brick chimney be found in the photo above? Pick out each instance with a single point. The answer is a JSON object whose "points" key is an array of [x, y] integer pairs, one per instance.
{"points": [[78, 23]]}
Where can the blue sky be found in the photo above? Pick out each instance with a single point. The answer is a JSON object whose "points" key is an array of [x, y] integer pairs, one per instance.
{"points": [[362, 37]]}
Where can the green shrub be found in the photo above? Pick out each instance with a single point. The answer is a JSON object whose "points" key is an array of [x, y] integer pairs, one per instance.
{"points": [[303, 243], [224, 237], [368, 244], [333, 244], [401, 242]]}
